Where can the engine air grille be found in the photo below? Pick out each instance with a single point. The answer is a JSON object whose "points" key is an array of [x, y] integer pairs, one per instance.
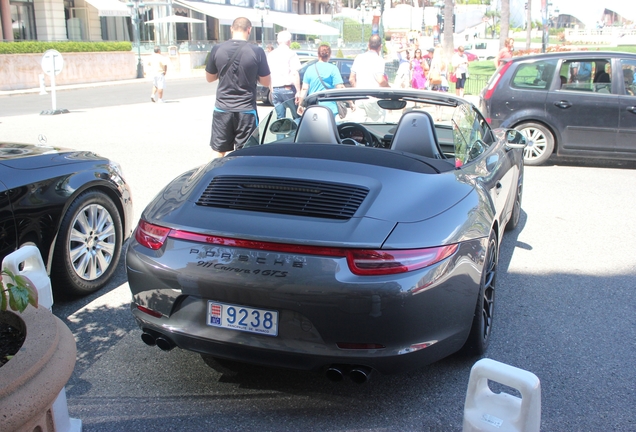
{"points": [[284, 196]]}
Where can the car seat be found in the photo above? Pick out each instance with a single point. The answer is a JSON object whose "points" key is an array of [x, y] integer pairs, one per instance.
{"points": [[317, 125], [415, 133]]}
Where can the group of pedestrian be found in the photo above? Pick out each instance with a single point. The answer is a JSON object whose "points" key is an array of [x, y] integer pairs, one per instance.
{"points": [[238, 66], [430, 71]]}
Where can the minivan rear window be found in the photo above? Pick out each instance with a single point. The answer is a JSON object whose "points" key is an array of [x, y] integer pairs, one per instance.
{"points": [[534, 75]]}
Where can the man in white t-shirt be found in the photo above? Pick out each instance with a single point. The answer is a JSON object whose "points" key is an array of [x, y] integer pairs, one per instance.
{"points": [[283, 66], [367, 72]]}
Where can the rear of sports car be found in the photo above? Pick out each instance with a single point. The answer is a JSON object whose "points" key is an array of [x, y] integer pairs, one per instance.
{"points": [[310, 257]]}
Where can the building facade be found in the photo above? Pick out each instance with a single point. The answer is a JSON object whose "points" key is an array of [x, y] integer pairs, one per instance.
{"points": [[110, 20]]}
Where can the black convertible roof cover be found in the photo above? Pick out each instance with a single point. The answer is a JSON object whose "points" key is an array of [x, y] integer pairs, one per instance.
{"points": [[350, 153]]}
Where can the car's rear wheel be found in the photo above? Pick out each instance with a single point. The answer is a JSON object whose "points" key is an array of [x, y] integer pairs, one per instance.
{"points": [[542, 143], [88, 246], [479, 336], [516, 209]]}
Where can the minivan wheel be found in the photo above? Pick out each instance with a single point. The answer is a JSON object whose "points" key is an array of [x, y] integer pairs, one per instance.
{"points": [[542, 143]]}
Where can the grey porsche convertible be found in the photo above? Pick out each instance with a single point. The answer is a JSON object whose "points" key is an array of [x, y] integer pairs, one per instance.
{"points": [[348, 244]]}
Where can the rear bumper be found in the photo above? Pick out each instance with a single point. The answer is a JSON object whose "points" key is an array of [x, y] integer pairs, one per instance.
{"points": [[383, 362], [418, 317]]}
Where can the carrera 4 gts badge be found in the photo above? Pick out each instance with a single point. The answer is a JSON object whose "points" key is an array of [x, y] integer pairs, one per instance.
{"points": [[224, 267]]}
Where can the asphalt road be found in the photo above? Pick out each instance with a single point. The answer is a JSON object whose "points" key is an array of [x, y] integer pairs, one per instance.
{"points": [[564, 310]]}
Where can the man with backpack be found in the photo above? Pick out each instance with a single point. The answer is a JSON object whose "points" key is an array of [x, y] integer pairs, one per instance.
{"points": [[237, 65]]}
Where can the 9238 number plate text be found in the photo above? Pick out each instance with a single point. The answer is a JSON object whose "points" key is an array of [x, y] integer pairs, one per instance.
{"points": [[242, 318]]}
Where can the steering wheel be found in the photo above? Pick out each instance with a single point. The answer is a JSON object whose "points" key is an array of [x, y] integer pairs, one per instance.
{"points": [[344, 127]]}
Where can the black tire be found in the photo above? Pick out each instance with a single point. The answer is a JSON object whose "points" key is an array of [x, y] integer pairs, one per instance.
{"points": [[516, 209], [88, 245], [542, 143], [479, 336]]}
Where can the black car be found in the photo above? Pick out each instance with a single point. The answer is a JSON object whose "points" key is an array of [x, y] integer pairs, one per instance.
{"points": [[570, 103], [74, 206], [344, 66]]}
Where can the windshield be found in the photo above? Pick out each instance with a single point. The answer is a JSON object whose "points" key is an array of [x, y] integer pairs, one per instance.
{"points": [[457, 130]]}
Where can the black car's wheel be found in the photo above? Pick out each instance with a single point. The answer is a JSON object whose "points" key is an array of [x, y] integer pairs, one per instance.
{"points": [[542, 143], [88, 246], [479, 336], [516, 209]]}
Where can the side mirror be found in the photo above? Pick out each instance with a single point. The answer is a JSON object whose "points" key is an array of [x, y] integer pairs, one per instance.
{"points": [[283, 126], [516, 140]]}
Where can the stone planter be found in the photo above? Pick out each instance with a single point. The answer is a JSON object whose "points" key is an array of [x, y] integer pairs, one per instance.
{"points": [[32, 380]]}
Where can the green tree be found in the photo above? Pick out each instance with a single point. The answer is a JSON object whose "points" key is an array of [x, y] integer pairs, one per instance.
{"points": [[492, 15]]}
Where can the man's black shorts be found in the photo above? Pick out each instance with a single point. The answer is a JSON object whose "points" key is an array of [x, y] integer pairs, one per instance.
{"points": [[231, 130]]}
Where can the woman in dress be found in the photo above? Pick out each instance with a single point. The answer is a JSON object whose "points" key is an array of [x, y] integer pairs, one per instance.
{"points": [[403, 75], [419, 68], [437, 77], [322, 75]]}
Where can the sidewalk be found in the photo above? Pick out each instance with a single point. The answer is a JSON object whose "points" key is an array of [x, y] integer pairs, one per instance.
{"points": [[191, 74]]}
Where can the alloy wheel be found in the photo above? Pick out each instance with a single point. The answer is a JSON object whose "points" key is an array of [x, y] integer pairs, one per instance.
{"points": [[92, 242]]}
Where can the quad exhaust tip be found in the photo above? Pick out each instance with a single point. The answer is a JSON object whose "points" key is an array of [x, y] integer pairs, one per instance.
{"points": [[162, 342], [357, 374]]}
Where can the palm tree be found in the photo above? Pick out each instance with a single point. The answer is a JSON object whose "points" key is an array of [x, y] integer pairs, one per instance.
{"points": [[492, 15], [504, 23]]}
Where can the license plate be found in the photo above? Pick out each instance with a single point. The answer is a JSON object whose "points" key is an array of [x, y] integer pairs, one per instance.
{"points": [[242, 318]]}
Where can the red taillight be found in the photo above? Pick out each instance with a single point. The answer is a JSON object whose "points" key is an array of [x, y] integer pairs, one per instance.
{"points": [[495, 80], [150, 311], [359, 346], [362, 262], [151, 236], [381, 262]]}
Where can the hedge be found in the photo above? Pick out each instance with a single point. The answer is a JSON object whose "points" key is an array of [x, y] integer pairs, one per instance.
{"points": [[29, 47]]}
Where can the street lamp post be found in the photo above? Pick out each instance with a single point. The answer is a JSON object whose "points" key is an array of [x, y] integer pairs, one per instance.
{"points": [[363, 8], [262, 8], [136, 8], [546, 26], [332, 4]]}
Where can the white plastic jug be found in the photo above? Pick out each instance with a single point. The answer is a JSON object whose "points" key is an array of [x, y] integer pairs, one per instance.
{"points": [[502, 412], [33, 269]]}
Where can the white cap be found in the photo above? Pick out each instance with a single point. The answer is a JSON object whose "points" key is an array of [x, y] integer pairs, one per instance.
{"points": [[284, 37]]}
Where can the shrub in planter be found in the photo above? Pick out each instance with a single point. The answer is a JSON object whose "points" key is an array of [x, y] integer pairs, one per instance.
{"points": [[17, 295]]}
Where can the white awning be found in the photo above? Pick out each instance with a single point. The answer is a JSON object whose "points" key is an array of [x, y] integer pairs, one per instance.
{"points": [[110, 7], [300, 24], [294, 23], [226, 14]]}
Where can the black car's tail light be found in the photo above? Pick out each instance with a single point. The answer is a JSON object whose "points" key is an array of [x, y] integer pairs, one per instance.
{"points": [[362, 262]]}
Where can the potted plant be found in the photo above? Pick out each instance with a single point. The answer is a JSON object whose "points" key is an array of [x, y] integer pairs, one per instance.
{"points": [[34, 377]]}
